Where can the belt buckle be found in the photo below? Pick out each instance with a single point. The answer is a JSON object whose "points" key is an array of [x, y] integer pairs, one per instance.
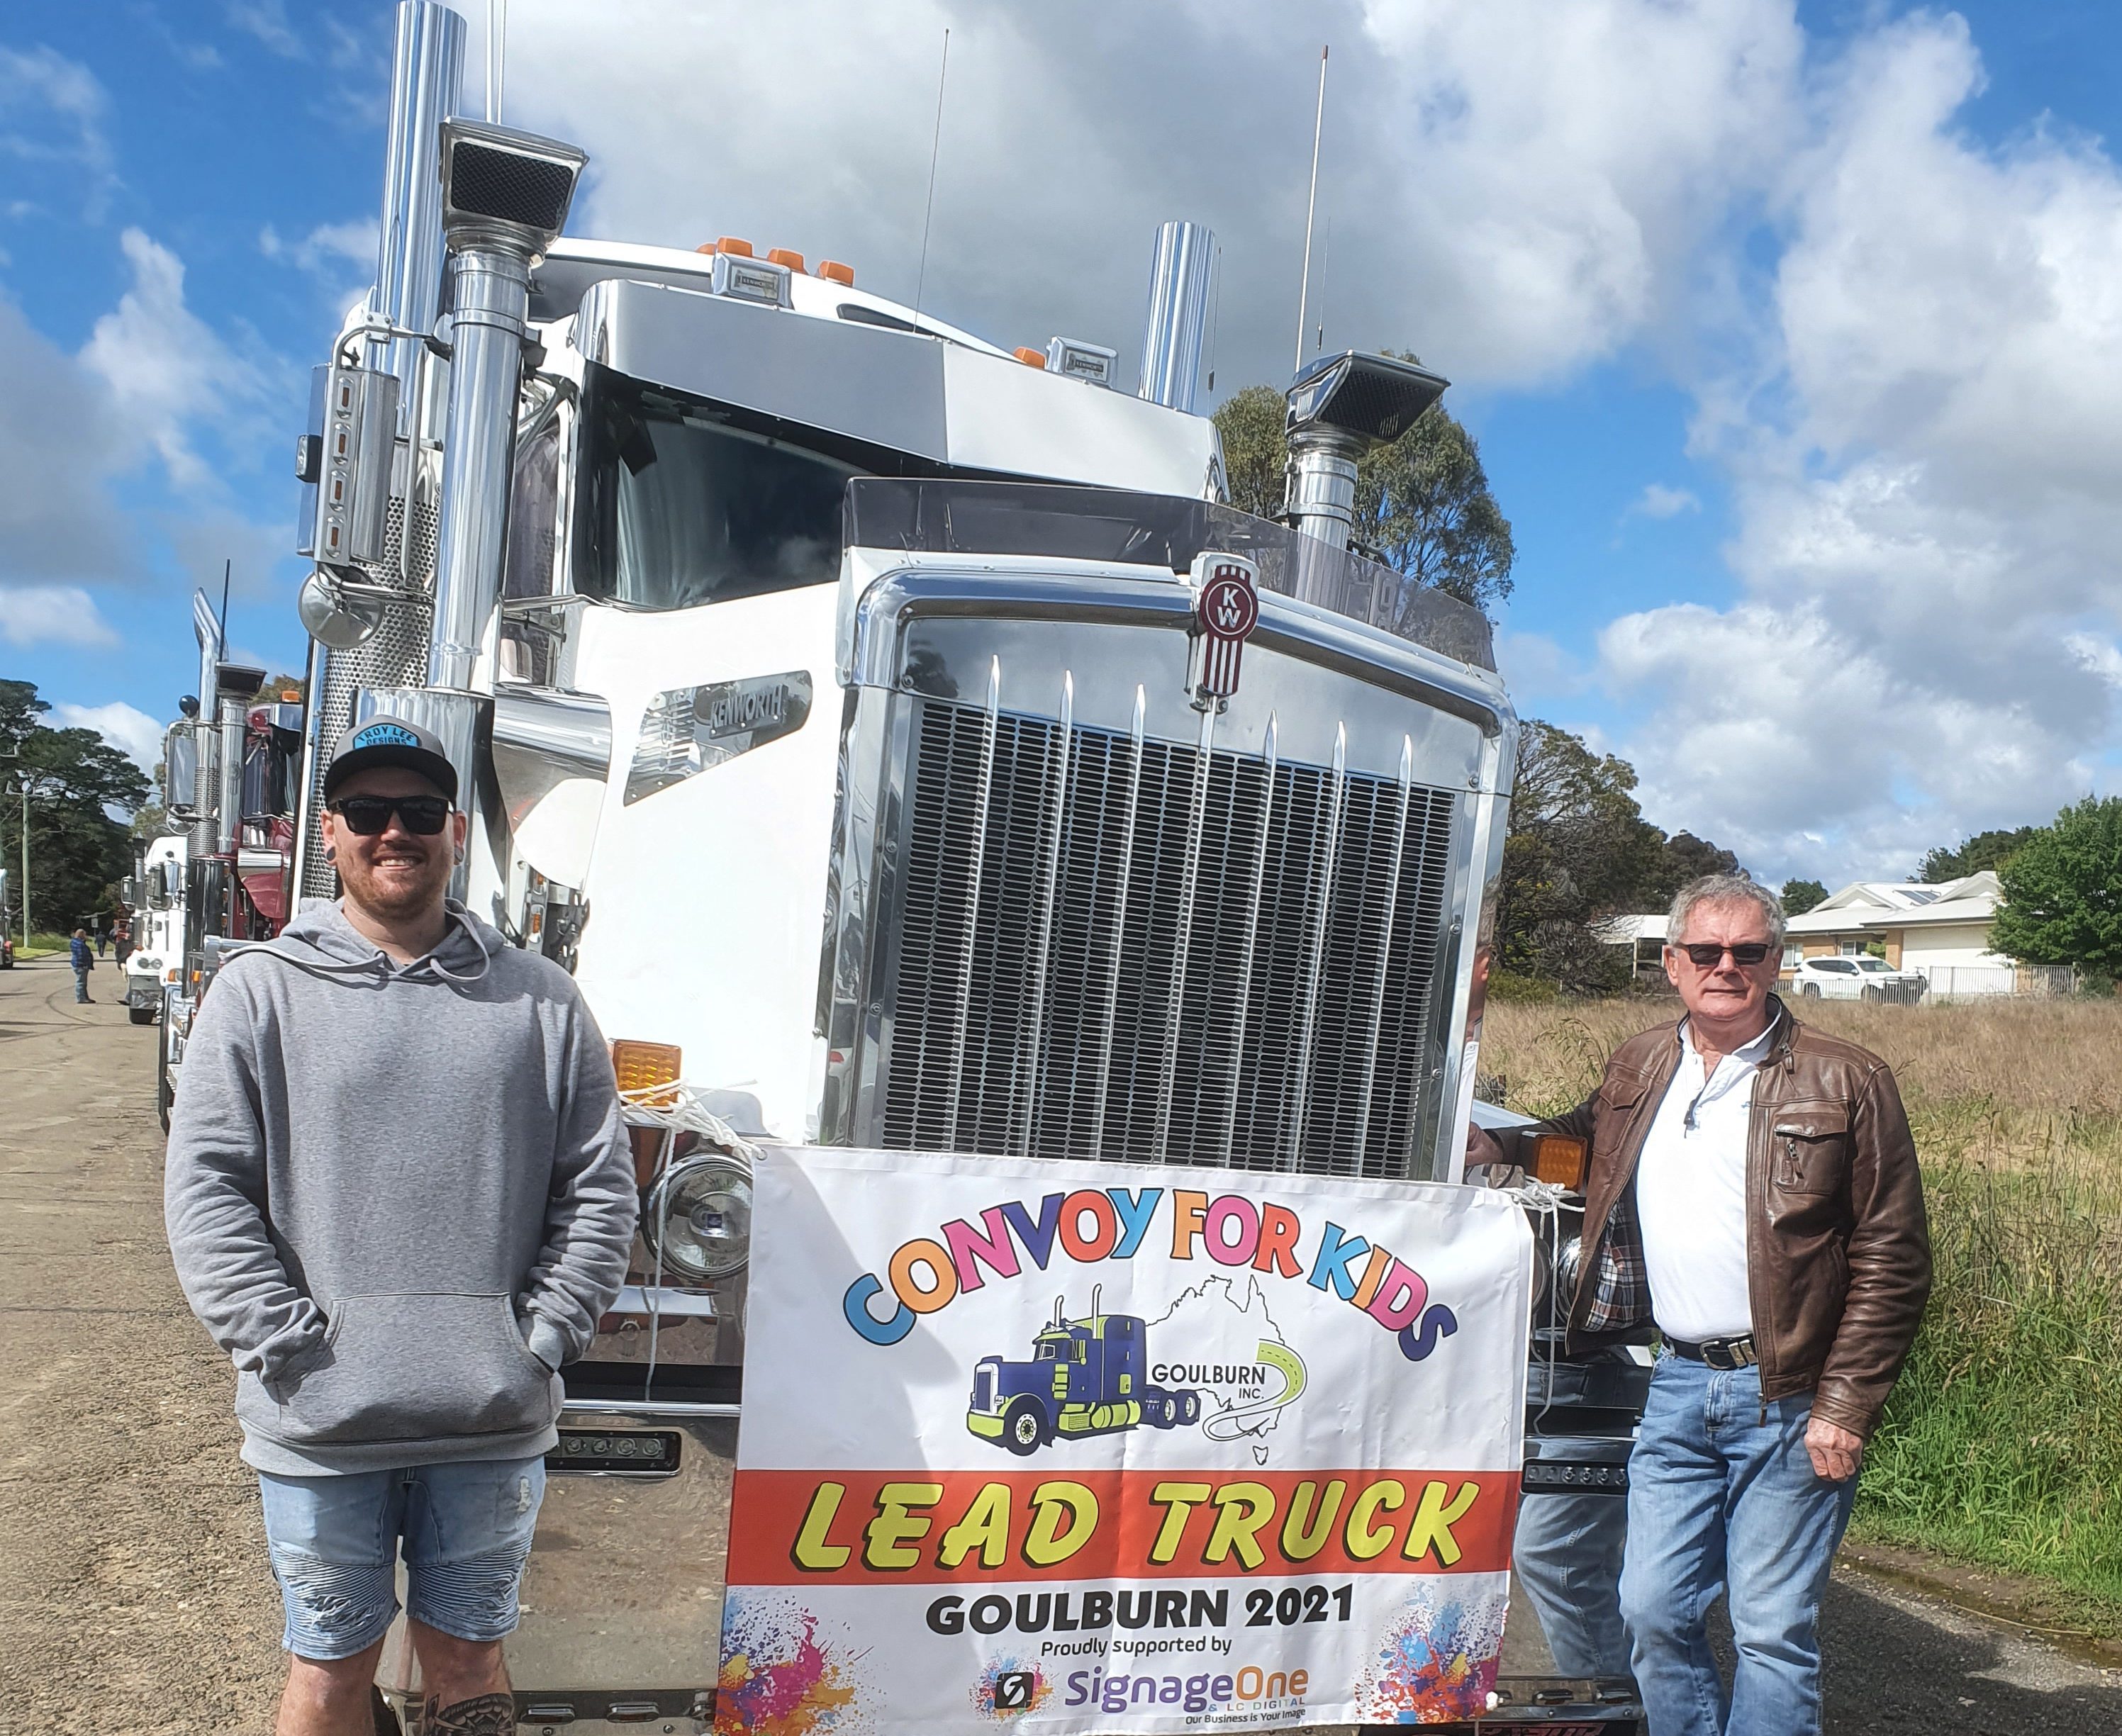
{"points": [[1729, 1356]]}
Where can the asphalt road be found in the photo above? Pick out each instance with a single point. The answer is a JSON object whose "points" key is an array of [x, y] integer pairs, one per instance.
{"points": [[134, 1596]]}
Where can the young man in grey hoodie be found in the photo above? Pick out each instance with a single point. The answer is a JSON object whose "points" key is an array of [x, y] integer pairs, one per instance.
{"points": [[399, 1195]]}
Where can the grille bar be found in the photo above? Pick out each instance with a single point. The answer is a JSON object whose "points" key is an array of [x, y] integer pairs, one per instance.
{"points": [[1126, 862], [969, 928], [1384, 932], [1049, 876], [1329, 843], [1147, 951], [1189, 872]]}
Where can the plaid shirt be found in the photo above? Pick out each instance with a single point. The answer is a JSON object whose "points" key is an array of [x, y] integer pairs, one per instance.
{"points": [[1620, 1282]]}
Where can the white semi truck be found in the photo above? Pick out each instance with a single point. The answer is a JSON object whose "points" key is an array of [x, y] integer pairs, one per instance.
{"points": [[906, 747]]}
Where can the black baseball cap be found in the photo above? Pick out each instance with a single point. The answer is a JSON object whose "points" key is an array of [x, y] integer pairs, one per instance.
{"points": [[390, 741]]}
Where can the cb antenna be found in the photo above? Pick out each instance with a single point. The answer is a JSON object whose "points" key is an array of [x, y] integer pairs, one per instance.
{"points": [[1311, 206], [935, 151], [227, 567], [497, 43]]}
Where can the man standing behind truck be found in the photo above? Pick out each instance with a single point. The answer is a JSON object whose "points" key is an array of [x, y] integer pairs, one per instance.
{"points": [[399, 1195], [1753, 1190]]}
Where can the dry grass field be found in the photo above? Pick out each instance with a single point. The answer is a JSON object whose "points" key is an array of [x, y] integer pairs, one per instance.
{"points": [[2003, 1445]]}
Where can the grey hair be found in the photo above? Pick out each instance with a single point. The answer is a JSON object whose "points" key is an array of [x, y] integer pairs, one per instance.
{"points": [[1724, 889]]}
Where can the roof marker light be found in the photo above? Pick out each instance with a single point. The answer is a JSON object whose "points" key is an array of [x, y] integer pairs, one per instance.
{"points": [[733, 243], [835, 271], [1030, 357], [786, 256]]}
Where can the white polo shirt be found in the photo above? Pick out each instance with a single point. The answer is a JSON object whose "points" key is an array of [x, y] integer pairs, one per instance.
{"points": [[1691, 1194]]}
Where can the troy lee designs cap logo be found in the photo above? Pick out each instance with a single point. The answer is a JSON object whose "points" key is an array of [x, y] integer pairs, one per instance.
{"points": [[386, 734], [1228, 611]]}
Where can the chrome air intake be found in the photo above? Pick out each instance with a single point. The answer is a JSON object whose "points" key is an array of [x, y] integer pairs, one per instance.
{"points": [[1339, 406], [505, 195]]}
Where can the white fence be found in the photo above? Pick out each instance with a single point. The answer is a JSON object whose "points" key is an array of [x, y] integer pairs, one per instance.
{"points": [[1975, 982]]}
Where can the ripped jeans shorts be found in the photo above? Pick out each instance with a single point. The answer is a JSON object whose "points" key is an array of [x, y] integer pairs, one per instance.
{"points": [[465, 1530]]}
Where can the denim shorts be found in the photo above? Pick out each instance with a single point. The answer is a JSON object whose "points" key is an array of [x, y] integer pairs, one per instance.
{"points": [[334, 1541]]}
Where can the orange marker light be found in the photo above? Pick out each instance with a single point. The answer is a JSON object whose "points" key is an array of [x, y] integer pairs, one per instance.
{"points": [[832, 269], [705, 247], [785, 256], [733, 243], [648, 1071], [1031, 358], [1555, 1158]]}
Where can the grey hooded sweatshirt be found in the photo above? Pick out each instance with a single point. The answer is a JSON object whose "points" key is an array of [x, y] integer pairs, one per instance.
{"points": [[398, 1198]]}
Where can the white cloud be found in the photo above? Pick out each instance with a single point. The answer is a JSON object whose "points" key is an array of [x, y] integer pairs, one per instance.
{"points": [[126, 728], [60, 441], [1515, 189], [1928, 478], [164, 366], [53, 114], [1537, 668], [1657, 501], [328, 246], [51, 614], [266, 20]]}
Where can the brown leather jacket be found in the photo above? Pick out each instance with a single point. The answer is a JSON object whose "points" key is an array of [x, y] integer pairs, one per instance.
{"points": [[1837, 1250]]}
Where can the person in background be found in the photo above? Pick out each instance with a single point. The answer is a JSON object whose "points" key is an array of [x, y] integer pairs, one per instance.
{"points": [[1753, 1190], [102, 940], [84, 962], [399, 1196]]}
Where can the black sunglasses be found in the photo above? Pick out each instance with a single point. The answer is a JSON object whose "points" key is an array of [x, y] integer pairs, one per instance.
{"points": [[368, 815], [1705, 954]]}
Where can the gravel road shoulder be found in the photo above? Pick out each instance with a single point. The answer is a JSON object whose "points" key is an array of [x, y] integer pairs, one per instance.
{"points": [[134, 1596]]}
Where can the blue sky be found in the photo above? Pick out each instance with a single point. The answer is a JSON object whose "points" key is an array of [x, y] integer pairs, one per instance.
{"points": [[1785, 331]]}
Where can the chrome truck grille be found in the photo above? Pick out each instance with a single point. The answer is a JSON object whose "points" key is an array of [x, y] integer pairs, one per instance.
{"points": [[1115, 947]]}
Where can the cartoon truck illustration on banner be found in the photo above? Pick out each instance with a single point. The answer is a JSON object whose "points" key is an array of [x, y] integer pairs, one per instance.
{"points": [[1085, 1377]]}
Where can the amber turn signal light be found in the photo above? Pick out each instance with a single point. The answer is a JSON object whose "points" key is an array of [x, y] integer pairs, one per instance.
{"points": [[648, 1071], [1555, 1158]]}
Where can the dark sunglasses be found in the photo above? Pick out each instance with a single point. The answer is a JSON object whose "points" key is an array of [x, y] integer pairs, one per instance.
{"points": [[368, 815], [1705, 955]]}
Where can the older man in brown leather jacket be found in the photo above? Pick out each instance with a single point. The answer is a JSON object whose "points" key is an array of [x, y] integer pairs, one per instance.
{"points": [[1754, 1191]]}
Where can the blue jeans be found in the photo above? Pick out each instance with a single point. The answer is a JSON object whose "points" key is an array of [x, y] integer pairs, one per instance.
{"points": [[81, 988], [335, 1545], [1721, 1497], [1567, 1557]]}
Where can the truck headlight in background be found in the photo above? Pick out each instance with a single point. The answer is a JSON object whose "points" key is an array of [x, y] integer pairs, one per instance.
{"points": [[698, 1219]]}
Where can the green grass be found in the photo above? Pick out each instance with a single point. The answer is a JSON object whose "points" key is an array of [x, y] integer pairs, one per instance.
{"points": [[2001, 1445], [40, 946]]}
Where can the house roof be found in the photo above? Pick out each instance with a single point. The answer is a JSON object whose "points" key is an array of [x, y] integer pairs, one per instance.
{"points": [[1620, 931], [1877, 904]]}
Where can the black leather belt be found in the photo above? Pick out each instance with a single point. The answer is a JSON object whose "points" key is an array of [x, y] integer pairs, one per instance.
{"points": [[1725, 1354]]}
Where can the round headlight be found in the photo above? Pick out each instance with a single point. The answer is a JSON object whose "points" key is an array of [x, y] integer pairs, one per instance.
{"points": [[698, 1219], [1568, 1267]]}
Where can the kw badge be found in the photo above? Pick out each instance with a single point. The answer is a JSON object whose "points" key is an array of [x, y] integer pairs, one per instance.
{"points": [[1227, 611]]}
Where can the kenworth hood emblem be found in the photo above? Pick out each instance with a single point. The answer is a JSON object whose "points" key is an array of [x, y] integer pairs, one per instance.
{"points": [[1228, 611]]}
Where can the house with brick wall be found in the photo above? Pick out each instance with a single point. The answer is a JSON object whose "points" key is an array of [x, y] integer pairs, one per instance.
{"points": [[1942, 930]]}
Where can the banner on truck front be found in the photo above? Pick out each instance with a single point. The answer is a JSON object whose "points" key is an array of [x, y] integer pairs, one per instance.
{"points": [[1083, 1447]]}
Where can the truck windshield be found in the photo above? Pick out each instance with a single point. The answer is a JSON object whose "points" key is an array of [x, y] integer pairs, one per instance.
{"points": [[683, 507]]}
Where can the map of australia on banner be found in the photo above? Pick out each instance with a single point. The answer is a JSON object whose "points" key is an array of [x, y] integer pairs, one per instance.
{"points": [[1081, 1447]]}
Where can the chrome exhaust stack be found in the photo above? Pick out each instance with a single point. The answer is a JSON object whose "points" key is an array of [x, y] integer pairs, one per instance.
{"points": [[426, 80], [1180, 273], [368, 614]]}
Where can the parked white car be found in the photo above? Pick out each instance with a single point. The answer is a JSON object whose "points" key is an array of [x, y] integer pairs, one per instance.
{"points": [[1862, 978]]}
